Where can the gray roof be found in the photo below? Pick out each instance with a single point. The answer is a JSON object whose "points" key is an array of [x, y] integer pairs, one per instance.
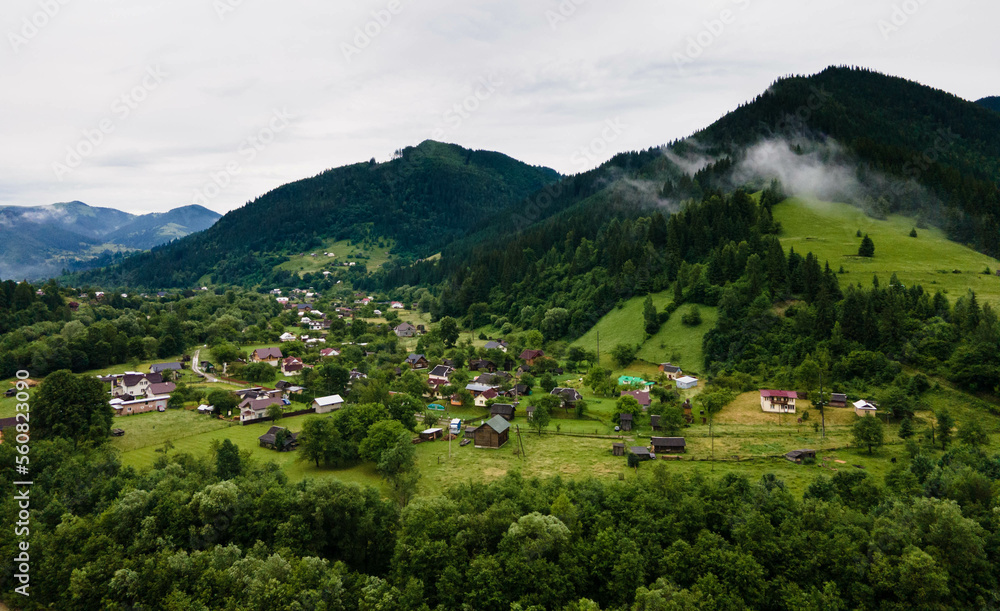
{"points": [[498, 424], [441, 371], [271, 436], [413, 358], [502, 408], [624, 417], [670, 442], [477, 387], [158, 367], [639, 451]]}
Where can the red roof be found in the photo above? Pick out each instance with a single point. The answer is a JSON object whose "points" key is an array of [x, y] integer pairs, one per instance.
{"points": [[788, 394]]}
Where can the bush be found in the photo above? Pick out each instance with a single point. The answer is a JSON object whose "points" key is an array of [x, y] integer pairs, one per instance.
{"points": [[692, 318]]}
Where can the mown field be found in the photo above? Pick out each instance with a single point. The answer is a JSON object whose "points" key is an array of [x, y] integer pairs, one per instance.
{"points": [[373, 257], [829, 231], [746, 441]]}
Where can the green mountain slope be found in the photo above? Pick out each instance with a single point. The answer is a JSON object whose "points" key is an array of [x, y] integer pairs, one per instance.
{"points": [[992, 102], [422, 199]]}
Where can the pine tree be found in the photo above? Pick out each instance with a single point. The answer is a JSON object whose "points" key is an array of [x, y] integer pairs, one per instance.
{"points": [[906, 428], [867, 248]]}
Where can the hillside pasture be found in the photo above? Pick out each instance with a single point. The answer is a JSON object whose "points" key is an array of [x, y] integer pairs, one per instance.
{"points": [[829, 231]]}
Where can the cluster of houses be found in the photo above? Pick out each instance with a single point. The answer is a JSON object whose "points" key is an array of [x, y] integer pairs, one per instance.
{"points": [[783, 402], [134, 392]]}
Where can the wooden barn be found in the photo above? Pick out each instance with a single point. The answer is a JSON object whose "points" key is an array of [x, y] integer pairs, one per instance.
{"points": [[493, 433], [641, 453], [797, 456], [504, 410], [668, 445], [838, 399]]}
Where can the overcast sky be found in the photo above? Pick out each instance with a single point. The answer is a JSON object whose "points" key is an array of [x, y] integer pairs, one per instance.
{"points": [[146, 105]]}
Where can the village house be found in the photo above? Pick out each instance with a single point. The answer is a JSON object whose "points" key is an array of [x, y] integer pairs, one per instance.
{"points": [[161, 388], [865, 408], [287, 337], [324, 405], [778, 401], [568, 396], [133, 384], [440, 375], [686, 382], [271, 356], [642, 396], [496, 345], [417, 361], [405, 330], [668, 445], [161, 367], [492, 434], [292, 366], [504, 410], [139, 406], [838, 399], [252, 410], [269, 439], [671, 371], [485, 397], [328, 352], [482, 365], [530, 356]]}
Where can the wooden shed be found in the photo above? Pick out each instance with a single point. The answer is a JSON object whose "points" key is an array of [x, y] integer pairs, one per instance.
{"points": [[493, 433], [618, 449], [654, 420], [838, 399], [641, 453], [796, 456], [431, 434], [625, 420], [668, 445]]}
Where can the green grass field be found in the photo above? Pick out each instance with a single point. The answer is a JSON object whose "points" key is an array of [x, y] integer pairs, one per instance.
{"points": [[674, 342], [678, 343], [372, 257], [829, 230]]}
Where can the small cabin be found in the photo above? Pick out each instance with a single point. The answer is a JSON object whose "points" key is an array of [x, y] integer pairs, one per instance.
{"points": [[618, 449], [797, 456], [625, 421], [504, 410], [838, 399], [654, 420], [431, 434], [865, 408], [668, 445], [686, 382], [641, 453], [493, 434]]}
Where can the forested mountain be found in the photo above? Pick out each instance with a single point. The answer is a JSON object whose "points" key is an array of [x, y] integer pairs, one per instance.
{"points": [[991, 102], [422, 199], [39, 241]]}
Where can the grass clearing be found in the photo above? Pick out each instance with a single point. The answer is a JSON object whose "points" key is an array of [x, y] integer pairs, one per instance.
{"points": [[678, 343], [829, 229], [373, 257], [622, 325]]}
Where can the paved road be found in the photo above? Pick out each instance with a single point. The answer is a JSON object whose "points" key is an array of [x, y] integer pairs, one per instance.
{"points": [[194, 367]]}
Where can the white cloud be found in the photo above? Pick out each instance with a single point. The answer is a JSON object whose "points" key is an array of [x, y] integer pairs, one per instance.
{"points": [[604, 61]]}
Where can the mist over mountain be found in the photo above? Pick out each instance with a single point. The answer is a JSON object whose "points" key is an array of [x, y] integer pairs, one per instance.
{"points": [[41, 241]]}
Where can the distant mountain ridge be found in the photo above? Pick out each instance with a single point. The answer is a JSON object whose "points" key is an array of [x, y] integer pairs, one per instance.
{"points": [[40, 241], [421, 200], [992, 102]]}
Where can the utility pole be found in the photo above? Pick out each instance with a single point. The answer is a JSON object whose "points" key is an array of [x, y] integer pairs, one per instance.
{"points": [[598, 348]]}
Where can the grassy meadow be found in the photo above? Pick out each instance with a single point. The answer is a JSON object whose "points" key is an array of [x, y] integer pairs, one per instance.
{"points": [[829, 230]]}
